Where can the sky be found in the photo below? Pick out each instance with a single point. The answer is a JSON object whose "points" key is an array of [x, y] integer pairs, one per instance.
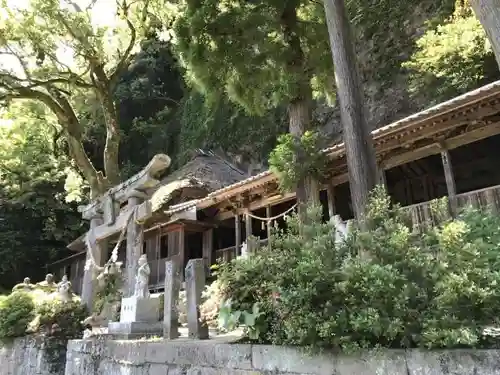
{"points": [[102, 14]]}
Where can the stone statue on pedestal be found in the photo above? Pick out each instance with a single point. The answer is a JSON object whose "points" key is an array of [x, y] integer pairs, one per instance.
{"points": [[142, 278]]}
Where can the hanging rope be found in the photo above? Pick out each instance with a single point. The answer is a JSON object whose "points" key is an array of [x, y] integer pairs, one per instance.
{"points": [[273, 217]]}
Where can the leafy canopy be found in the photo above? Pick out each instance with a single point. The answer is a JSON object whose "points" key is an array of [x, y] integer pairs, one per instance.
{"points": [[259, 53], [452, 58], [67, 54]]}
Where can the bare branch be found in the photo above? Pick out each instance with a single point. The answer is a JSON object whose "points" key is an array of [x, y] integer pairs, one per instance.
{"points": [[126, 58]]}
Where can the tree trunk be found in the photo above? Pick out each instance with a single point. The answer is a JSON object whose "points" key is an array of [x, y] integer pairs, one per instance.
{"points": [[111, 148], [300, 107], [488, 13], [360, 154], [299, 112]]}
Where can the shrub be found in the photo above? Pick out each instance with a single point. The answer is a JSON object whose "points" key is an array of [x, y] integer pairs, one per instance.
{"points": [[16, 312], [59, 322], [387, 286]]}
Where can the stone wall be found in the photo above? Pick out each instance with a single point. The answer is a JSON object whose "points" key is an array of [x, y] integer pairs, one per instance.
{"points": [[182, 357], [25, 356]]}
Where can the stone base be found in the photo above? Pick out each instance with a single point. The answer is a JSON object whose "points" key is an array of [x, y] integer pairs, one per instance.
{"points": [[134, 330], [138, 309]]}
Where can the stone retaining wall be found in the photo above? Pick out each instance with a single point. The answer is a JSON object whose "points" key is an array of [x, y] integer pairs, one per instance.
{"points": [[86, 357], [24, 356]]}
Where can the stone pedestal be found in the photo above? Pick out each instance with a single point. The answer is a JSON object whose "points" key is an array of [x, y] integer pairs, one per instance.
{"points": [[171, 298], [195, 283], [134, 330], [138, 318], [139, 309]]}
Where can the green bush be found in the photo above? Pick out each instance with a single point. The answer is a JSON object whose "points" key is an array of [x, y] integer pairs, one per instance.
{"points": [[59, 322], [61, 318], [16, 312], [387, 286]]}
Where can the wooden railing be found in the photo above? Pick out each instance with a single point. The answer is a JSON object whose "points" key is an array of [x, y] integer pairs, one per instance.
{"points": [[433, 212], [229, 253]]}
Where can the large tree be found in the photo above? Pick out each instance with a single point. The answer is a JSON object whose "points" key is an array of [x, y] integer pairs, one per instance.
{"points": [[66, 53], [360, 154], [488, 13], [261, 54]]}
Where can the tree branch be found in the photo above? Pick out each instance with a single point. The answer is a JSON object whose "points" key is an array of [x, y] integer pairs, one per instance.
{"points": [[69, 122], [125, 59]]}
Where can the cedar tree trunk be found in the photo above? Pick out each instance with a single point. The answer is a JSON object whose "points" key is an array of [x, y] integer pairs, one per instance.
{"points": [[488, 13], [357, 138]]}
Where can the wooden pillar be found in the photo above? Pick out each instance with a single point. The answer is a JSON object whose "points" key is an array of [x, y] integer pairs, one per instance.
{"points": [[181, 245], [237, 233], [268, 224], [330, 194], [208, 246], [248, 231], [382, 178], [99, 253], [135, 241], [450, 181]]}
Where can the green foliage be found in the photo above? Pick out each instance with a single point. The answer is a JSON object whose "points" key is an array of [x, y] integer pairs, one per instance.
{"points": [[63, 319], [294, 159], [384, 287], [223, 125], [32, 177], [452, 58], [386, 32], [59, 322], [16, 311], [248, 51], [109, 291]]}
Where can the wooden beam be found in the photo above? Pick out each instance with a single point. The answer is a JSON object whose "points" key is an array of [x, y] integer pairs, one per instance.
{"points": [[330, 193], [382, 180], [237, 233], [433, 148], [248, 231], [260, 203], [181, 244], [268, 224], [450, 180], [208, 246]]}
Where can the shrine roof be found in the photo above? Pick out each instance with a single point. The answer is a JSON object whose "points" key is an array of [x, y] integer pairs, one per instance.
{"points": [[205, 172], [412, 123]]}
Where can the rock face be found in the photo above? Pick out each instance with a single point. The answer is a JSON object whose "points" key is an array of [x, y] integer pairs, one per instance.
{"points": [[186, 357], [25, 356]]}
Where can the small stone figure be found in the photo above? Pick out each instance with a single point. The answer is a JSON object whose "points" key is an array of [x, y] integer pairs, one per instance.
{"points": [[142, 278], [341, 230], [244, 250], [25, 286], [64, 290], [48, 285]]}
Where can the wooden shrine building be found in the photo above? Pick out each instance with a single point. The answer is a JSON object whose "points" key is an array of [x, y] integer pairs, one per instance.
{"points": [[208, 207]]}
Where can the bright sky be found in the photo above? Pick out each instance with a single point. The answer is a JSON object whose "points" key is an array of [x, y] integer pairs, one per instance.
{"points": [[102, 14]]}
